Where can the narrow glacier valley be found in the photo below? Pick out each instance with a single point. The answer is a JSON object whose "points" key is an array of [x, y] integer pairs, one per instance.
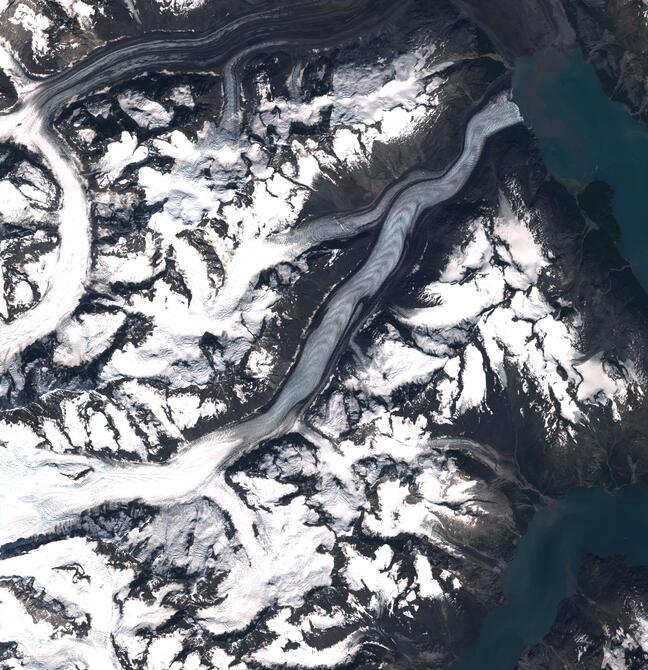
{"points": [[57, 489], [311, 344], [61, 487], [30, 125]]}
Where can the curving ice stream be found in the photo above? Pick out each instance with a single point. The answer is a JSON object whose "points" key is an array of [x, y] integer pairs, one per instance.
{"points": [[55, 488], [30, 122], [30, 126]]}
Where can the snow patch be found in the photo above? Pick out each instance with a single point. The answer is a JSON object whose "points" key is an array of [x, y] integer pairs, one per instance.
{"points": [[146, 113], [37, 24]]}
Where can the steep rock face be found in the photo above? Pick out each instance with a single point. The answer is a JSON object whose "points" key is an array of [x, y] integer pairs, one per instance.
{"points": [[238, 448], [520, 28], [614, 38], [602, 626]]}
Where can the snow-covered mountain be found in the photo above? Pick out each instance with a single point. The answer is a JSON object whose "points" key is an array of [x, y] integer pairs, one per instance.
{"points": [[296, 333]]}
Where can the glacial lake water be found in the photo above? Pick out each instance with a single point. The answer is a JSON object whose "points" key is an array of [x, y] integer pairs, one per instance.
{"points": [[546, 565], [583, 135]]}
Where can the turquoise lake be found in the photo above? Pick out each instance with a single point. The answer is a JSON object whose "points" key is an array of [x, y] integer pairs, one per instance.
{"points": [[546, 564], [583, 135]]}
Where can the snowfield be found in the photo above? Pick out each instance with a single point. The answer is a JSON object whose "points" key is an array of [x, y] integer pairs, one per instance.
{"points": [[229, 440]]}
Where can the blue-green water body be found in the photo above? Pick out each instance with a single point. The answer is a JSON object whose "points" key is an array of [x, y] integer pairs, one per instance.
{"points": [[546, 564], [583, 135]]}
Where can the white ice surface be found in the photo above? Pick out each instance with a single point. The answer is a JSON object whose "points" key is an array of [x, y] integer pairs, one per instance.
{"points": [[500, 303], [429, 587], [146, 113], [272, 206], [53, 566], [179, 6], [119, 155], [83, 338], [390, 364], [83, 12], [35, 23], [301, 655]]}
